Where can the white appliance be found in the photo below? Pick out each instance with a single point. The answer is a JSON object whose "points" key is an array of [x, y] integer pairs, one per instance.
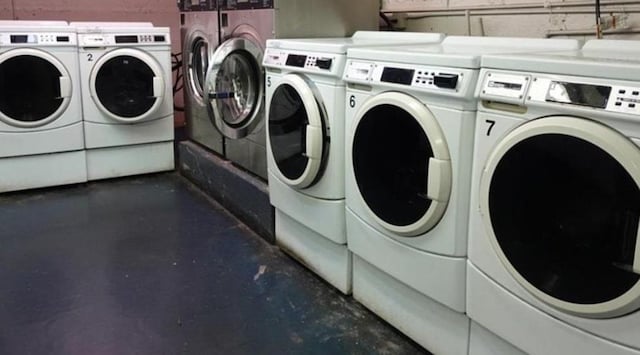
{"points": [[235, 79], [410, 119], [553, 236], [127, 98], [305, 135], [200, 34], [484, 342], [41, 137]]}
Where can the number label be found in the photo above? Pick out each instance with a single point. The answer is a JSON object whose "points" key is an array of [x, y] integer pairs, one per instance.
{"points": [[89, 57], [491, 123], [352, 101], [268, 81]]}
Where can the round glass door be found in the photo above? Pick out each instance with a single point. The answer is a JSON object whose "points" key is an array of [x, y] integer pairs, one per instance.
{"points": [[561, 200], [401, 163], [127, 85], [35, 88], [235, 87], [197, 66], [296, 131]]}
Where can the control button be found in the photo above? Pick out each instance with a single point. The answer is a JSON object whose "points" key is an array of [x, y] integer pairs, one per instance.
{"points": [[632, 105], [618, 103], [622, 92], [324, 63], [447, 81], [635, 93]]}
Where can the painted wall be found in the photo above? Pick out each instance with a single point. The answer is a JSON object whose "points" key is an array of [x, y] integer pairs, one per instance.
{"points": [[518, 18]]}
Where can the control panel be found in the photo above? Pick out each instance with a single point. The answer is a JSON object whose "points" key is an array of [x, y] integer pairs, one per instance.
{"points": [[282, 58], [626, 99], [197, 5], [37, 38], [418, 77], [230, 5], [562, 90], [101, 40]]}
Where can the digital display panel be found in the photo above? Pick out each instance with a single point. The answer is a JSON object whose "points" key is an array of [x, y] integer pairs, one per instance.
{"points": [[397, 76], [295, 60], [126, 39], [578, 94], [19, 38]]}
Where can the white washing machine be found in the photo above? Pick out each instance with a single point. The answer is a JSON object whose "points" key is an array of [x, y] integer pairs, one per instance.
{"points": [[305, 134], [553, 238], [41, 137], [410, 119], [484, 342], [127, 98], [200, 34], [235, 79]]}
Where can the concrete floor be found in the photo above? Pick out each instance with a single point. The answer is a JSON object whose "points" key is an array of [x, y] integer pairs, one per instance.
{"points": [[149, 265]]}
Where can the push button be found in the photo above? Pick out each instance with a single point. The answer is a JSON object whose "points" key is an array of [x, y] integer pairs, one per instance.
{"points": [[447, 81]]}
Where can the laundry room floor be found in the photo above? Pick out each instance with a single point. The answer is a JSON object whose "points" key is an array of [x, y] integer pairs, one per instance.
{"points": [[149, 265]]}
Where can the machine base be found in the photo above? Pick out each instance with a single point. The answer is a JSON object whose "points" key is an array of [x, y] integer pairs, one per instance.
{"points": [[112, 162], [439, 329], [483, 342], [329, 260], [44, 170]]}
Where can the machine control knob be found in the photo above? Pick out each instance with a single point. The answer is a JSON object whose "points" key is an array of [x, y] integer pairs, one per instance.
{"points": [[324, 63], [447, 81]]}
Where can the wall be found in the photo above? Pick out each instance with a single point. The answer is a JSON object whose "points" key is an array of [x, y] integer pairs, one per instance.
{"points": [[517, 18], [159, 12]]}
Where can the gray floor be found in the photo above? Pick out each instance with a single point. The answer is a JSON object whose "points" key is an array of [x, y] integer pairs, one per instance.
{"points": [[149, 265]]}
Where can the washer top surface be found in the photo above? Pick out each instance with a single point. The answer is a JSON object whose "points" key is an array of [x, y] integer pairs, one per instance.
{"points": [[113, 27], [35, 26], [339, 45], [461, 51], [612, 59]]}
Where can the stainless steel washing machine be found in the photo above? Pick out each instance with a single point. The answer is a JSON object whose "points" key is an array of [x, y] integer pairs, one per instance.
{"points": [[200, 37], [234, 84]]}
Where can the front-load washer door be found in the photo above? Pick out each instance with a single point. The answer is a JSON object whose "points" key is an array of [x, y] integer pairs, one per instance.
{"points": [[401, 163], [560, 199], [197, 53], [235, 87], [127, 85], [35, 88], [296, 131]]}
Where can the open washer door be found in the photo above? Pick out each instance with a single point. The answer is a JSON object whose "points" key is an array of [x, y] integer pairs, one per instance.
{"points": [[196, 55], [401, 163], [296, 131], [127, 85], [35, 86], [560, 200], [235, 87]]}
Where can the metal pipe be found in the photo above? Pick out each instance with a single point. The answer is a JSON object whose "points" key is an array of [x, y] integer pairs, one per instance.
{"points": [[415, 16], [548, 6], [586, 32], [467, 15]]}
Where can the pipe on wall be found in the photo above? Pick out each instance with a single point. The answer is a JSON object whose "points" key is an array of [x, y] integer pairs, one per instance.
{"points": [[546, 6], [587, 32], [511, 12]]}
